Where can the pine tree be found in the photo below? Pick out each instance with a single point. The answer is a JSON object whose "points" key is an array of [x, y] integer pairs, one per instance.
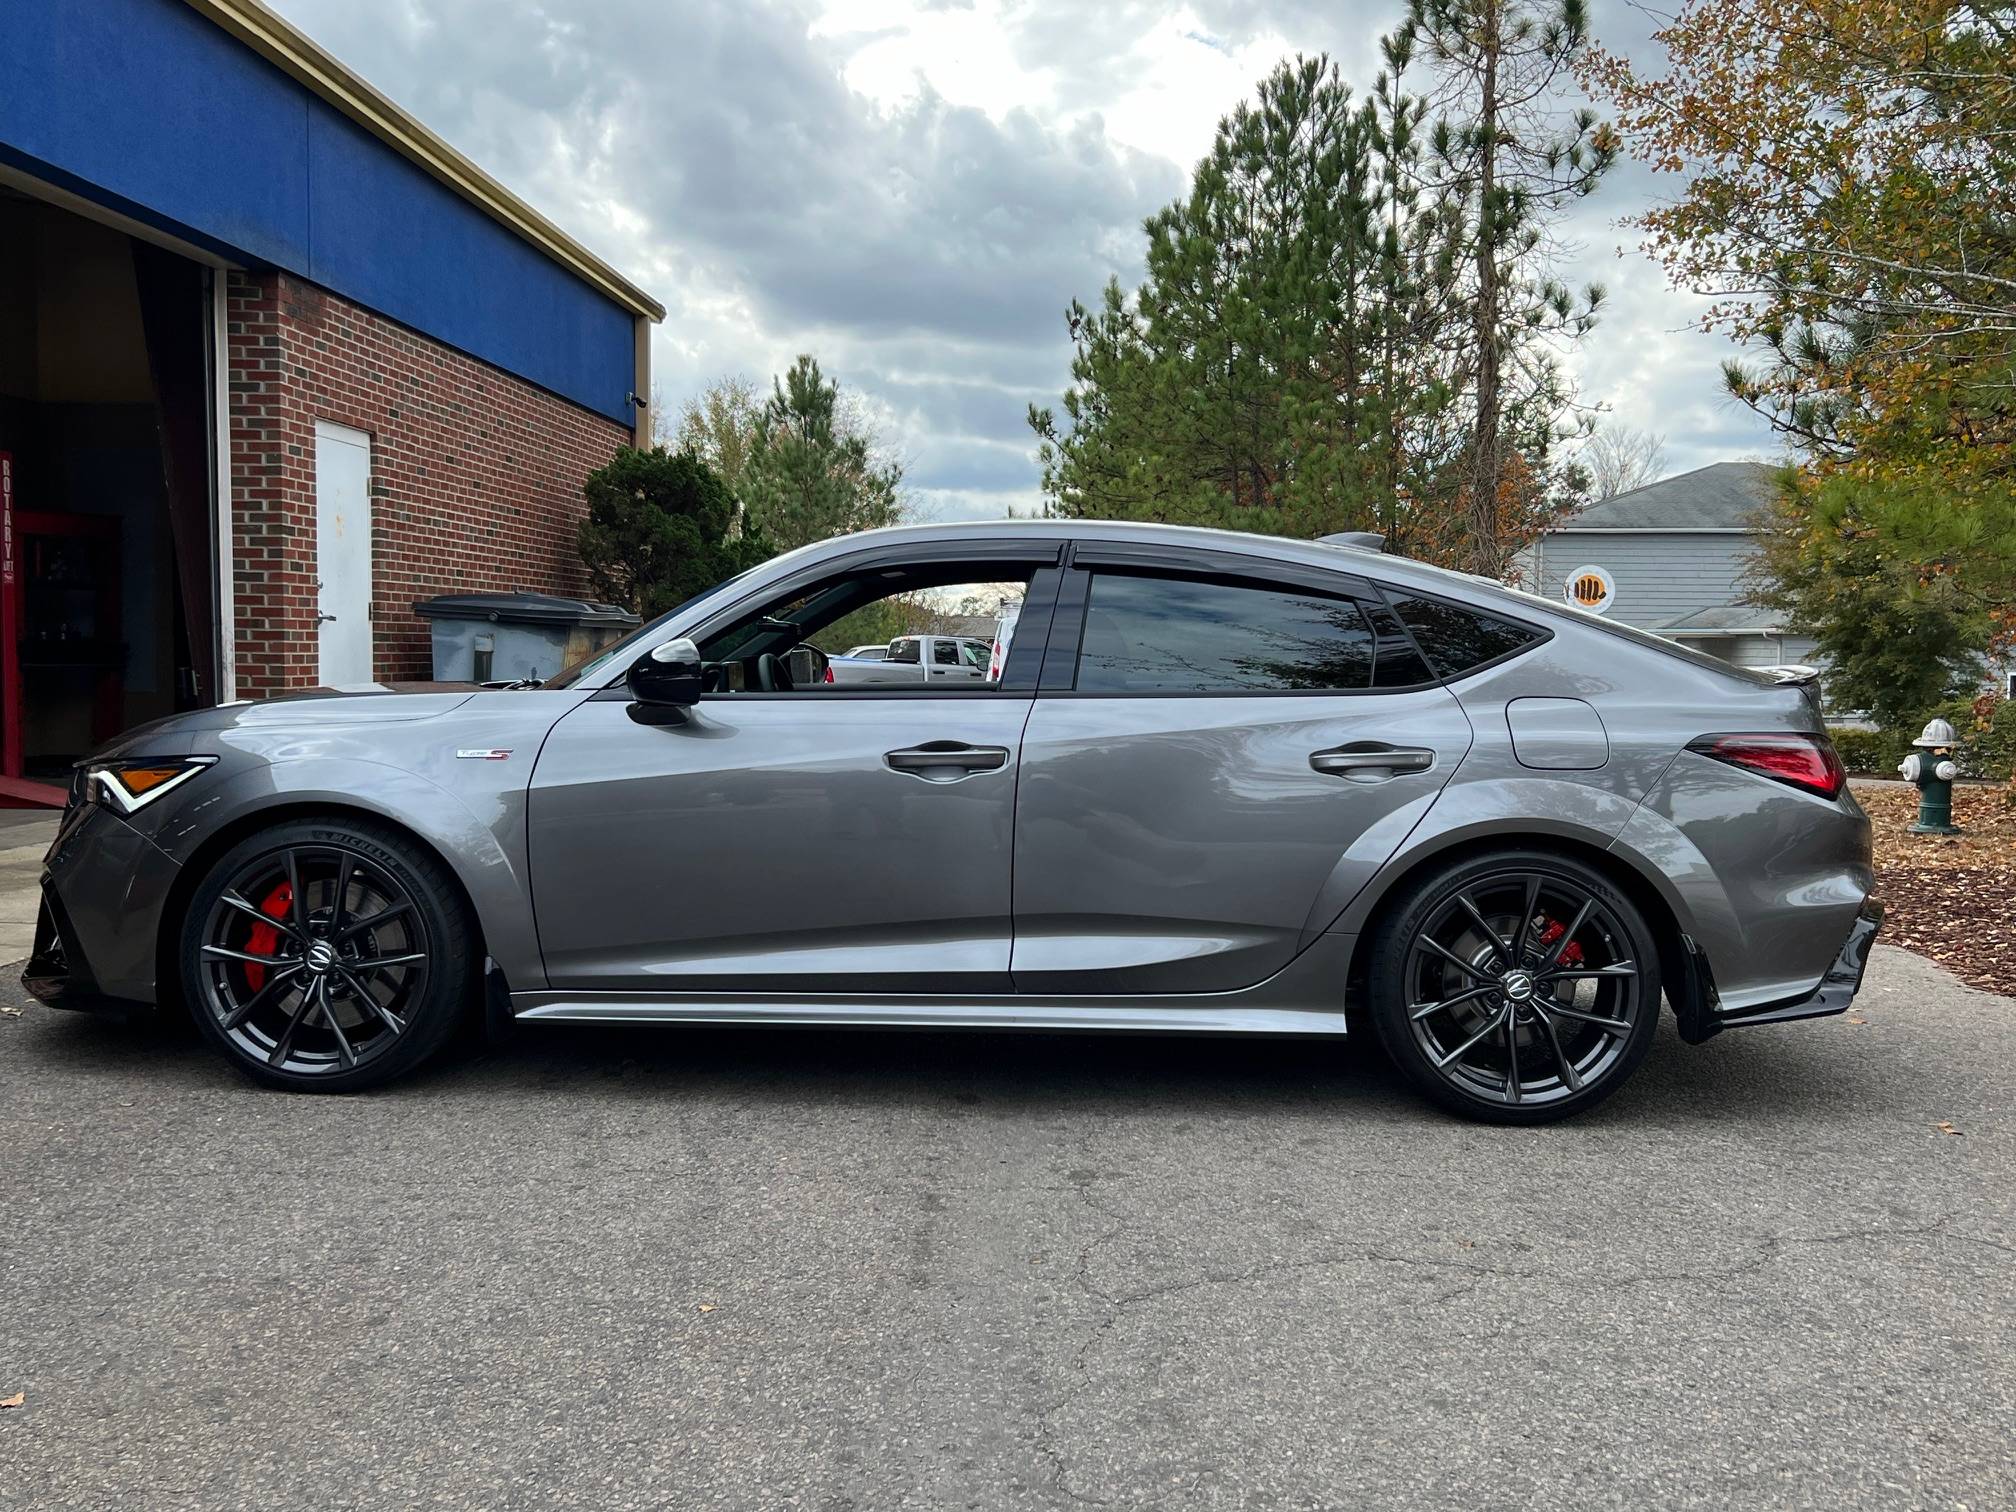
{"points": [[1229, 391], [812, 471], [1512, 160], [1298, 358]]}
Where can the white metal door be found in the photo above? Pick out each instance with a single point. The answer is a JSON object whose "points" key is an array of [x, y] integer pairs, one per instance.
{"points": [[343, 553]]}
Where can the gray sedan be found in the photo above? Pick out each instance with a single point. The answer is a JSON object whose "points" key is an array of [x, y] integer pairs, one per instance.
{"points": [[1224, 784]]}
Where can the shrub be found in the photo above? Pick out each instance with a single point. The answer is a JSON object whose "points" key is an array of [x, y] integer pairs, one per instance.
{"points": [[1986, 731], [660, 528], [1866, 753]]}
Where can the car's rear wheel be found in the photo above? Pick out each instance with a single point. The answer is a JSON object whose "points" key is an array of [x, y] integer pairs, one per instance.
{"points": [[1519, 987], [327, 955]]}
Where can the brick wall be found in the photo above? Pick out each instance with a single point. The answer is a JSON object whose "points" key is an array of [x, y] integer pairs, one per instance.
{"points": [[475, 475]]}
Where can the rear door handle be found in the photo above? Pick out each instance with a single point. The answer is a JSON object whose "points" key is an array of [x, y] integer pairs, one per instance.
{"points": [[1372, 764], [947, 760]]}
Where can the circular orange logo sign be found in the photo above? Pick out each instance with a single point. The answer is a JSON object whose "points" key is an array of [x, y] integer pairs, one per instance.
{"points": [[1590, 588]]}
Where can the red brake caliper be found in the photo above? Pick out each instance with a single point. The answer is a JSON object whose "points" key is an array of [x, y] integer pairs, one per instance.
{"points": [[1572, 956], [265, 939]]}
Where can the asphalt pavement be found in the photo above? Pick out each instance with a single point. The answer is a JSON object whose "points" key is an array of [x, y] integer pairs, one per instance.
{"points": [[710, 1269], [24, 838]]}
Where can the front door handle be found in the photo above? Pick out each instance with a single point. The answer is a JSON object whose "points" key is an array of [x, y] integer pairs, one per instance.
{"points": [[1371, 763], [947, 760]]}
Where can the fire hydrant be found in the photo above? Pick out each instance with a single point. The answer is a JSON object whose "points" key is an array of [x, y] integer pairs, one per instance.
{"points": [[1931, 769]]}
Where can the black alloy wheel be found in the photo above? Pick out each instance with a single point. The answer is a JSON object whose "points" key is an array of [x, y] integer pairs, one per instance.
{"points": [[326, 955], [1518, 988]]}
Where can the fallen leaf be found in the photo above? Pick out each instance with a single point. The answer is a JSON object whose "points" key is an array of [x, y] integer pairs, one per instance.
{"points": [[1858, 1021], [18, 1399], [1947, 1128], [706, 1307]]}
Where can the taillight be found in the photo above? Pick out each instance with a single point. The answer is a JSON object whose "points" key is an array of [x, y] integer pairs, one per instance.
{"points": [[829, 673], [1807, 762]]}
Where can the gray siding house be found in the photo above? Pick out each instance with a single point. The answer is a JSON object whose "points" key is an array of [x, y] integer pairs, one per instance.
{"points": [[1670, 558]]}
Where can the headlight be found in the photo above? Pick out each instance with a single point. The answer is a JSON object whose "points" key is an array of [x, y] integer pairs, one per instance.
{"points": [[130, 785]]}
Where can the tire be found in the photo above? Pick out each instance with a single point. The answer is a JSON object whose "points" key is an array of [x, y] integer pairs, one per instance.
{"points": [[1515, 1025], [372, 947]]}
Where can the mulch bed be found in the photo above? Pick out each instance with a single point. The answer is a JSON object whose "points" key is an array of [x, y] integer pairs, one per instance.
{"points": [[1951, 898]]}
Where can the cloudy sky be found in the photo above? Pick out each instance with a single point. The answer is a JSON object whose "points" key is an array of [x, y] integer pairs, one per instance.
{"points": [[914, 189]]}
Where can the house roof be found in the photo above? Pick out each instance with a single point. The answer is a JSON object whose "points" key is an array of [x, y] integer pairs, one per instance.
{"points": [[288, 49], [1720, 619], [1720, 496]]}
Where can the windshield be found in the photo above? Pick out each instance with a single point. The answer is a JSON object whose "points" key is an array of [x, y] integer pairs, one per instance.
{"points": [[619, 653]]}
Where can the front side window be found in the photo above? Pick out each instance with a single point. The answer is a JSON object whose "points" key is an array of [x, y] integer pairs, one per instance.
{"points": [[789, 643], [1184, 635]]}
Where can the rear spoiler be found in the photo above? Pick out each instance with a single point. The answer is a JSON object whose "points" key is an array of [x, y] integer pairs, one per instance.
{"points": [[1793, 677]]}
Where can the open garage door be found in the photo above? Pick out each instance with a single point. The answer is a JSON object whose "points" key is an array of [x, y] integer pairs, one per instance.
{"points": [[106, 441]]}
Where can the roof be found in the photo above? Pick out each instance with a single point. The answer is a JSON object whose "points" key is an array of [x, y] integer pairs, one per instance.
{"points": [[970, 626], [1720, 496], [1720, 619], [294, 54]]}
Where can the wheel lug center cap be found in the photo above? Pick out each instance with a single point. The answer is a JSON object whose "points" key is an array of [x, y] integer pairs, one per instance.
{"points": [[1517, 986], [321, 956]]}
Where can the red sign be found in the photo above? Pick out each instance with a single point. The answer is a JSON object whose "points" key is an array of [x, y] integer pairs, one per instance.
{"points": [[10, 629], [7, 518]]}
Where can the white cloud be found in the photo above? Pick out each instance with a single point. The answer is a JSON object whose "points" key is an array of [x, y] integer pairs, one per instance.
{"points": [[914, 189]]}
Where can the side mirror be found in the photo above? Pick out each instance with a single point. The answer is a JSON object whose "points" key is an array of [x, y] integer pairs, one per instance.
{"points": [[667, 674]]}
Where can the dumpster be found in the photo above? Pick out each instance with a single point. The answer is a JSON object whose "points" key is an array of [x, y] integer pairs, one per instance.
{"points": [[499, 637]]}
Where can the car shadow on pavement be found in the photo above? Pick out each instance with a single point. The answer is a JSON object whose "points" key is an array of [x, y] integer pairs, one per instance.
{"points": [[1773, 1074]]}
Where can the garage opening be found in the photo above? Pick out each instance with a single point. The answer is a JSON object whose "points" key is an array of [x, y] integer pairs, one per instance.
{"points": [[108, 580]]}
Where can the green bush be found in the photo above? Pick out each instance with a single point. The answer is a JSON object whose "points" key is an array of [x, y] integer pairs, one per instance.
{"points": [[1866, 753], [1990, 753]]}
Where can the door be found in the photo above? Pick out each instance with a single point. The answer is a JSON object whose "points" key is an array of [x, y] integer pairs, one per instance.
{"points": [[950, 662], [775, 837], [1211, 772], [812, 842], [342, 554]]}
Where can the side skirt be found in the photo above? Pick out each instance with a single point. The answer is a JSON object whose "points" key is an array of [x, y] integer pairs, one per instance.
{"points": [[1305, 997], [921, 1013]]}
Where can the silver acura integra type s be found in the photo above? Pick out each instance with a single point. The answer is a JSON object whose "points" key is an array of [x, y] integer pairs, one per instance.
{"points": [[1222, 784]]}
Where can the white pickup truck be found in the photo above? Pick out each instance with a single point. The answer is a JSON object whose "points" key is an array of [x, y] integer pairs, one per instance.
{"points": [[919, 658]]}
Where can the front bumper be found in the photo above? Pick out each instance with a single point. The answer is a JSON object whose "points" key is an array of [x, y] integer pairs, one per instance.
{"points": [[104, 886], [57, 973], [1701, 1015]]}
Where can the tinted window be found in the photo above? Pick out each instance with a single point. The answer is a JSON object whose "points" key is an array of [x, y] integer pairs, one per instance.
{"points": [[902, 651], [976, 653], [1457, 639], [1175, 635], [945, 653], [1399, 665]]}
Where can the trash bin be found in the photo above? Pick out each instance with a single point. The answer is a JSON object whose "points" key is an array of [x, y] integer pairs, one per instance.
{"points": [[493, 637]]}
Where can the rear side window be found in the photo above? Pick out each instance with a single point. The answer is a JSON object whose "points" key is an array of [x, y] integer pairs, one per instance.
{"points": [[944, 653], [1180, 635], [1399, 664], [1459, 640]]}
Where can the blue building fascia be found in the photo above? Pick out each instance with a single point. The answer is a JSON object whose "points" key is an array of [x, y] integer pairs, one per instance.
{"points": [[152, 109]]}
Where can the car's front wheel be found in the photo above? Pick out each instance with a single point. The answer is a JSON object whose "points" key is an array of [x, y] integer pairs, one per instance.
{"points": [[1519, 987], [326, 955]]}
